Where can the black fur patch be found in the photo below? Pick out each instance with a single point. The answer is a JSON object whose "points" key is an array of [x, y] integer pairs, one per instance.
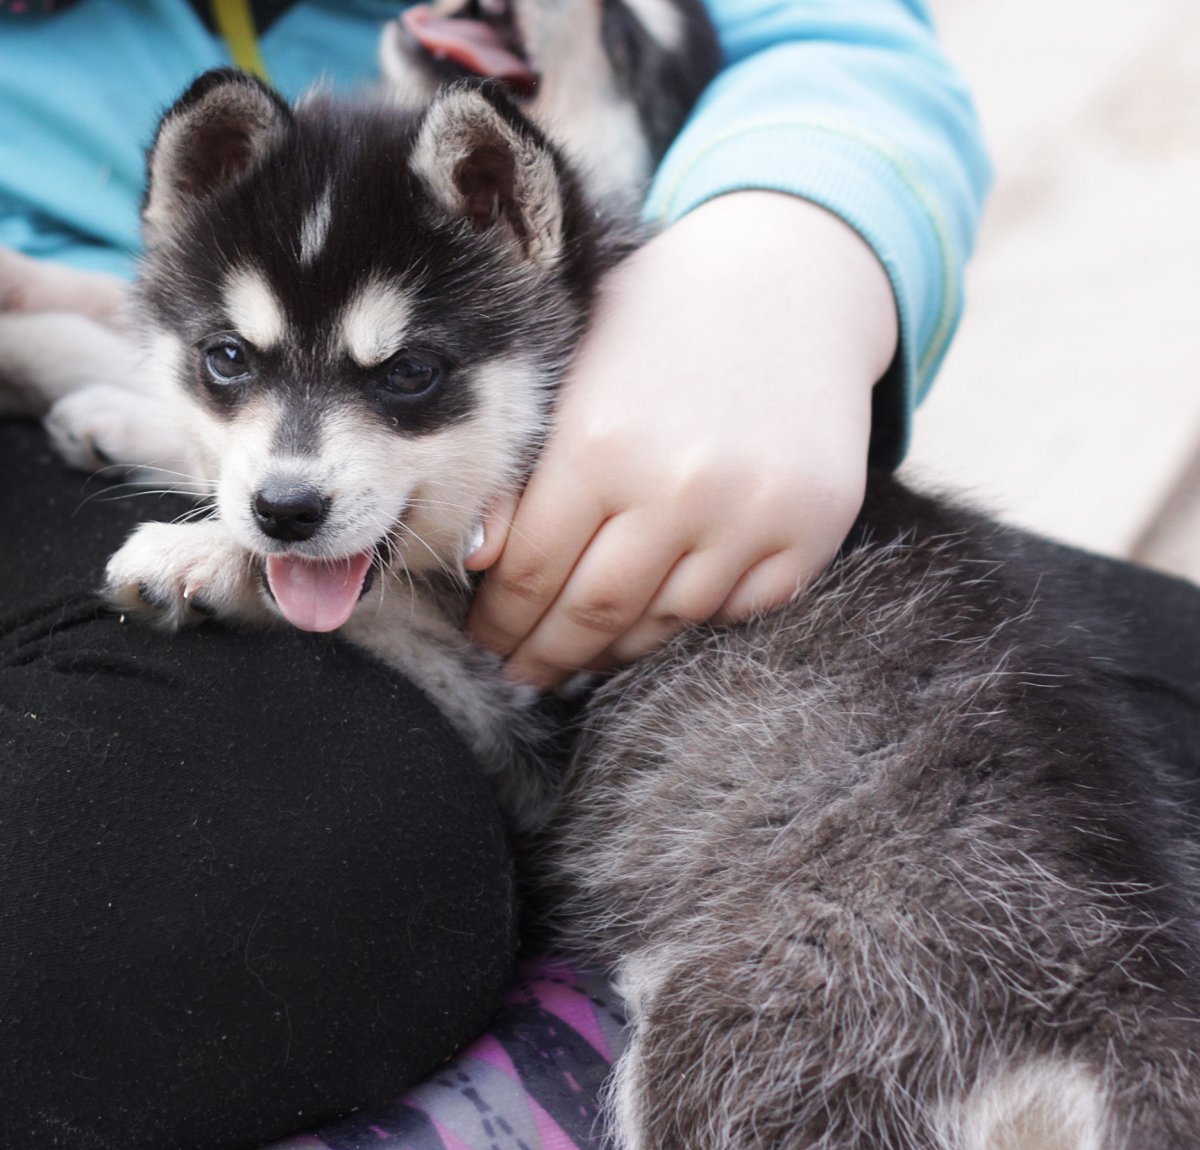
{"points": [[299, 431]]}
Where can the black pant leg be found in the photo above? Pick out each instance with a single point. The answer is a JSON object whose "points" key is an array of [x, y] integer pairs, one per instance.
{"points": [[248, 881], [1149, 631], [1160, 621]]}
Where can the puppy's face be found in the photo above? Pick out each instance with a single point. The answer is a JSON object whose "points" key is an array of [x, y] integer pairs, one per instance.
{"points": [[366, 313]]}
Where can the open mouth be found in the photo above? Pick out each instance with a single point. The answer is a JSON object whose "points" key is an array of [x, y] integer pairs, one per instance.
{"points": [[479, 37], [318, 594]]}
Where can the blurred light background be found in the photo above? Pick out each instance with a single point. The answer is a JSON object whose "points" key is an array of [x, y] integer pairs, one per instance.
{"points": [[1070, 402]]}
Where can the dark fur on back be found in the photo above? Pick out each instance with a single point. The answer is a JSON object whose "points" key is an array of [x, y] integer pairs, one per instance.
{"points": [[864, 860]]}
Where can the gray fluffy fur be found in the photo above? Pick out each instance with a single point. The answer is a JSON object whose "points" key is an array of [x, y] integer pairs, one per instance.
{"points": [[884, 870]]}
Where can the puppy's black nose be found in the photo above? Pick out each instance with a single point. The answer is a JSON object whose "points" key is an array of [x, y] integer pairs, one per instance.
{"points": [[289, 512]]}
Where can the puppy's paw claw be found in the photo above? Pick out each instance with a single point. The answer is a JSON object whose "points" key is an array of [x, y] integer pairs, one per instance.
{"points": [[82, 430], [157, 602], [199, 606], [81, 452], [179, 574]]}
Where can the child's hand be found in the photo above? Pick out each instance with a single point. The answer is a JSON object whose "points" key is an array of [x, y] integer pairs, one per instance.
{"points": [[710, 448]]}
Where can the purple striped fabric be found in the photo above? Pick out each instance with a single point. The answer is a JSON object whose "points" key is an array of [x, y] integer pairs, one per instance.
{"points": [[531, 1082]]}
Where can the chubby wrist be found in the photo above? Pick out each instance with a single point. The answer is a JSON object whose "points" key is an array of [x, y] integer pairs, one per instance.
{"points": [[799, 259]]}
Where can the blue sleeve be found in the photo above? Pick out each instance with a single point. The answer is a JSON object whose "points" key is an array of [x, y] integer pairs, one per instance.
{"points": [[81, 93], [850, 104]]}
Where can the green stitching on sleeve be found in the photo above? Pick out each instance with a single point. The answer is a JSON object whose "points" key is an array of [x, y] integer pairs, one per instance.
{"points": [[907, 175]]}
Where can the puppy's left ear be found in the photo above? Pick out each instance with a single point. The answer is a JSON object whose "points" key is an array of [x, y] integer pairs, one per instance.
{"points": [[216, 132], [485, 164]]}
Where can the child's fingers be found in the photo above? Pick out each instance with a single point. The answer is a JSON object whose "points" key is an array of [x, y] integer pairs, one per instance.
{"points": [[607, 591], [770, 583], [39, 285], [545, 539], [694, 590]]}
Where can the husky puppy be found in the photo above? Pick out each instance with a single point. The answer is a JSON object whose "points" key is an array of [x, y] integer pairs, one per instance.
{"points": [[885, 869]]}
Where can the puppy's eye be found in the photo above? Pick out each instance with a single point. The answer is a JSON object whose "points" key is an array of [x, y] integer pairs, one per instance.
{"points": [[412, 375], [227, 360]]}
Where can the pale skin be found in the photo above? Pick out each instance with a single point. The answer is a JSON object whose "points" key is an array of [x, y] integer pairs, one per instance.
{"points": [[710, 449], [28, 284]]}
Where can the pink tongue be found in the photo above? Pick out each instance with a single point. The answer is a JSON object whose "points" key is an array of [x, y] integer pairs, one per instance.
{"points": [[471, 43], [317, 595]]}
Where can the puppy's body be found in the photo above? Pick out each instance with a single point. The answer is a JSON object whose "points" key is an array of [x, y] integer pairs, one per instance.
{"points": [[882, 869]]}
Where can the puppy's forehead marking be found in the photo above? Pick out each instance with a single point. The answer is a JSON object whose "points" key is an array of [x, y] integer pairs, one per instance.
{"points": [[374, 322], [253, 308], [314, 229], [661, 19]]}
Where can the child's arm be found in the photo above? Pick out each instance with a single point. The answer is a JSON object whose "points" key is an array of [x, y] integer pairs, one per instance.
{"points": [[851, 105], [712, 440], [31, 285]]}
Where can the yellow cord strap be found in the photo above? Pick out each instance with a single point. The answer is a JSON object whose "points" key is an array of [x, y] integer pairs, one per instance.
{"points": [[236, 24]]}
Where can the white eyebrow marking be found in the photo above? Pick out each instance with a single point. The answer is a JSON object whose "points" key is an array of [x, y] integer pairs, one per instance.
{"points": [[254, 309], [374, 322], [315, 228]]}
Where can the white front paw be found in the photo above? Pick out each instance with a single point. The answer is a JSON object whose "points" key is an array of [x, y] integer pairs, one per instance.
{"points": [[180, 573], [103, 426]]}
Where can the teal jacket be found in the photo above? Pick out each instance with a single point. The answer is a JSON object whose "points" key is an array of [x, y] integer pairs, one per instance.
{"points": [[849, 103]]}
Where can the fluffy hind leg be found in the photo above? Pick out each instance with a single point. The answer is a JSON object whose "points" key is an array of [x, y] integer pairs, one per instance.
{"points": [[47, 355], [747, 1086], [709, 1068], [1058, 1103], [747, 1082], [730, 1056]]}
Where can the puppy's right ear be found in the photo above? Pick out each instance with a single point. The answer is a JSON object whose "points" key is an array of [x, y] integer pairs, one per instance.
{"points": [[486, 165], [217, 131]]}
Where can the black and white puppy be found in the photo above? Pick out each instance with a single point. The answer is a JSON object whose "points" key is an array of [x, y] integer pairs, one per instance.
{"points": [[885, 869], [360, 310], [361, 314]]}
